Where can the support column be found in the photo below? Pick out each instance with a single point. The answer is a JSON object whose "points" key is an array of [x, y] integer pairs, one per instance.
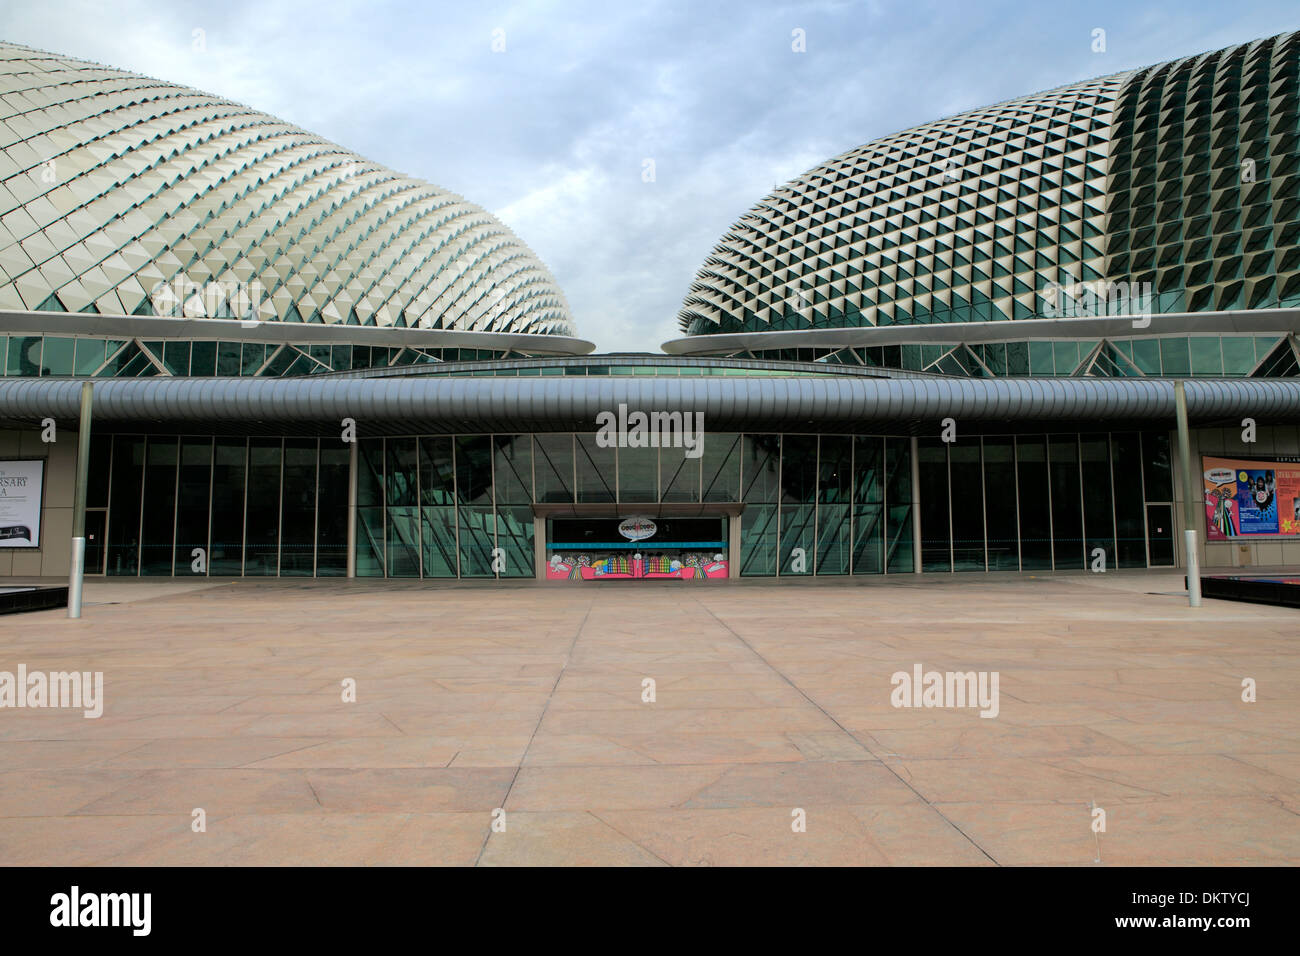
{"points": [[352, 510], [77, 569], [539, 547], [733, 545], [916, 508], [1190, 497]]}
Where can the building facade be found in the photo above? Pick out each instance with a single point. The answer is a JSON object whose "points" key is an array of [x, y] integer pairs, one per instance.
{"points": [[952, 349]]}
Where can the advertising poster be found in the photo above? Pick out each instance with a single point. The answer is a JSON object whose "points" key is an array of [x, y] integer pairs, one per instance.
{"points": [[1251, 497], [20, 503]]}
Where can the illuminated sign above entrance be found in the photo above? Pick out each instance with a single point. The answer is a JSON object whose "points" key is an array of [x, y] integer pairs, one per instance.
{"points": [[637, 529]]}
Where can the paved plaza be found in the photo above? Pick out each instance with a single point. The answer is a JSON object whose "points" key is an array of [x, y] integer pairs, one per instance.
{"points": [[768, 699]]}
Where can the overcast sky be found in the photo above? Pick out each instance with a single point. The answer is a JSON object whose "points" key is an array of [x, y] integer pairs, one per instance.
{"points": [[553, 133]]}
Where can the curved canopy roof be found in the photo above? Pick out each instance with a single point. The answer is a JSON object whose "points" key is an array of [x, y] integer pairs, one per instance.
{"points": [[442, 405]]}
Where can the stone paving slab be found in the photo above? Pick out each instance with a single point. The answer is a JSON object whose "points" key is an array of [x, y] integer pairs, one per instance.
{"points": [[771, 703]]}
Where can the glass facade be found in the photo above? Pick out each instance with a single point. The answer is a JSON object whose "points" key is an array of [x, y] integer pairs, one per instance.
{"points": [[1211, 356], [40, 356], [1042, 502], [463, 506]]}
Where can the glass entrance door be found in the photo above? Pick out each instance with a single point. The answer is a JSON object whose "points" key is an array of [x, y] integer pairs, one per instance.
{"points": [[1160, 536], [96, 521]]}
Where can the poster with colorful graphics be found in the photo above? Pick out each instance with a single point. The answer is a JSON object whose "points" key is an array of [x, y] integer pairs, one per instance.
{"points": [[20, 503], [1251, 497]]}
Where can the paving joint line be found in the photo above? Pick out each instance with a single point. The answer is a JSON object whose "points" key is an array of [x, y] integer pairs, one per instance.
{"points": [[846, 731], [568, 655]]}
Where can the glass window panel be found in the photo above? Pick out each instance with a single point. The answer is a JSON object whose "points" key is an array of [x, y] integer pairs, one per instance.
{"points": [[124, 505], [90, 356], [97, 479], [868, 538], [254, 356], [158, 521], [1017, 358], [595, 471], [758, 540], [967, 505], [370, 472], [437, 474], [721, 467], [1174, 358], [1238, 354], [1130, 526], [403, 538], [1035, 508], [935, 541], [834, 492], [899, 546], [401, 479], [370, 542], [1003, 539], [298, 509], [638, 470], [760, 463], [1146, 355], [228, 474], [1098, 519], [515, 539], [1067, 357], [58, 355], [1158, 470], [1040, 358], [553, 464], [1067, 507], [1206, 358], [798, 497], [477, 539], [332, 509], [474, 469], [203, 358], [868, 478], [24, 355], [513, 469], [679, 476], [438, 537], [192, 504], [228, 363], [262, 555], [176, 357]]}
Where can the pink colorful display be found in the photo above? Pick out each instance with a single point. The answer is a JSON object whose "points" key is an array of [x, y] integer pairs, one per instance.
{"points": [[584, 567]]}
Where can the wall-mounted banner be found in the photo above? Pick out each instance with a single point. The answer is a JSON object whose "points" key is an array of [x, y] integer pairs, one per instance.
{"points": [[1251, 497], [20, 503]]}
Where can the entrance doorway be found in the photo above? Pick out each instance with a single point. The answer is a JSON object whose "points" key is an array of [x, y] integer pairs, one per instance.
{"points": [[96, 523], [1160, 536], [636, 547]]}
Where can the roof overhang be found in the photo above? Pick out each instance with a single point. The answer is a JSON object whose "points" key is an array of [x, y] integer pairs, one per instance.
{"points": [[234, 330], [843, 404]]}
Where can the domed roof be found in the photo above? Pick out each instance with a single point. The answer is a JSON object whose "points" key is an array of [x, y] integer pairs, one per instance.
{"points": [[1172, 175], [121, 194]]}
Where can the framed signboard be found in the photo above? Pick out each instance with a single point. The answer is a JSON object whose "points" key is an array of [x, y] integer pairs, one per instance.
{"points": [[21, 487], [1258, 497]]}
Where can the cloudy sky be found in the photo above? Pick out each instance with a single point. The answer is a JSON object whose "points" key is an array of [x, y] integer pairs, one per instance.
{"points": [[556, 133]]}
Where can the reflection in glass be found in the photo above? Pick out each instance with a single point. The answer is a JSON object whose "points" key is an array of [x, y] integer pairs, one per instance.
{"points": [[192, 504]]}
